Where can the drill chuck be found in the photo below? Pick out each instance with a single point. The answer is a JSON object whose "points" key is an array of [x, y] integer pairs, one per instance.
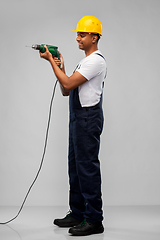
{"points": [[36, 47]]}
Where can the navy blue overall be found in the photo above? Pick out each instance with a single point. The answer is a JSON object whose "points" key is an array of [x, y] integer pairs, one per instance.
{"points": [[85, 127]]}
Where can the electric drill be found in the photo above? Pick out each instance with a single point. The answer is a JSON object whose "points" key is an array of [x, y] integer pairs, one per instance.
{"points": [[52, 49]]}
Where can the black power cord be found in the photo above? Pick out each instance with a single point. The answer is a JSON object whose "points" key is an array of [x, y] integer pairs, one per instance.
{"points": [[44, 151]]}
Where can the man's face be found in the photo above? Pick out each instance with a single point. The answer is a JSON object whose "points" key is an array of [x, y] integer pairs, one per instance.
{"points": [[85, 40]]}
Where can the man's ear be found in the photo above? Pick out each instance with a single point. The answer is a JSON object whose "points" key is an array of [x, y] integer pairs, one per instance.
{"points": [[94, 38]]}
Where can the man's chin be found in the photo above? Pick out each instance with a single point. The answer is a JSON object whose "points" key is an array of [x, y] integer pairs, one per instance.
{"points": [[81, 46]]}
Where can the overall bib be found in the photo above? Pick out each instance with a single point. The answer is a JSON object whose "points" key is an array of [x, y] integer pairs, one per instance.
{"points": [[85, 127]]}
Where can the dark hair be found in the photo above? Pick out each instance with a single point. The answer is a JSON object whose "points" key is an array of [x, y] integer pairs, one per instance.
{"points": [[99, 36]]}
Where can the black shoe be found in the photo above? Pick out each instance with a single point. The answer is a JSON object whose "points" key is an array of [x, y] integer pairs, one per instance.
{"points": [[86, 228], [67, 221]]}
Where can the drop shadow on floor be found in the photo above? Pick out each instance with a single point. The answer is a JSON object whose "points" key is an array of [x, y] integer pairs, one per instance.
{"points": [[28, 232]]}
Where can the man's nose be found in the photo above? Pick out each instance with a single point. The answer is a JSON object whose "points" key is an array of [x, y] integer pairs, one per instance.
{"points": [[78, 38]]}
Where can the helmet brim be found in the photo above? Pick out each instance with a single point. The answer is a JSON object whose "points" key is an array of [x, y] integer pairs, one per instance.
{"points": [[86, 32]]}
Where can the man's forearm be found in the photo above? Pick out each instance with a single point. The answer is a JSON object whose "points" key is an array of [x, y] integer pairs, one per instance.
{"points": [[60, 74], [63, 90]]}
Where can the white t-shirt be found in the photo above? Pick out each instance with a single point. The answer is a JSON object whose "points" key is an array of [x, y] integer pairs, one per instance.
{"points": [[93, 68]]}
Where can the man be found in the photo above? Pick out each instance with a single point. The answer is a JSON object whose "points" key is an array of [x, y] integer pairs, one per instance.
{"points": [[84, 88]]}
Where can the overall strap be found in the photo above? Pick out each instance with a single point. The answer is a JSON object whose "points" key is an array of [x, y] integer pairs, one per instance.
{"points": [[106, 71], [101, 56]]}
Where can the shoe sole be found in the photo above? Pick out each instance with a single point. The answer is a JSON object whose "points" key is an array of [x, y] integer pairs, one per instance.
{"points": [[97, 231]]}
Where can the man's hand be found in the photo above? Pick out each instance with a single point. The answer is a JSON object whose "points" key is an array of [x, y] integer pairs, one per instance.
{"points": [[62, 60], [57, 61], [46, 55]]}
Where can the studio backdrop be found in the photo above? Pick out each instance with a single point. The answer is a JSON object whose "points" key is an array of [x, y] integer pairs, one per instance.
{"points": [[130, 143]]}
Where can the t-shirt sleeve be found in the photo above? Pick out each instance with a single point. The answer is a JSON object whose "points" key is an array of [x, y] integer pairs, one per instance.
{"points": [[90, 68]]}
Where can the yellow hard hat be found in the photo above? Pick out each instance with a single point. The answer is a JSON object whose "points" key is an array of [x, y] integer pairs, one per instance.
{"points": [[89, 24]]}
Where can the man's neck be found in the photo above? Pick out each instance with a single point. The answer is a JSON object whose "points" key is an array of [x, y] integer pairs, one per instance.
{"points": [[91, 50]]}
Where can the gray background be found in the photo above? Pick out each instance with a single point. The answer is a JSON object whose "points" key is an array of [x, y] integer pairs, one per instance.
{"points": [[130, 151]]}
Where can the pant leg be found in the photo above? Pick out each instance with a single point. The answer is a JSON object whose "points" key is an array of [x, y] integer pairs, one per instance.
{"points": [[76, 200], [87, 130]]}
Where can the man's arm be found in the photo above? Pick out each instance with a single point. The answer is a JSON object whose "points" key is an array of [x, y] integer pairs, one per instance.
{"points": [[68, 83]]}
